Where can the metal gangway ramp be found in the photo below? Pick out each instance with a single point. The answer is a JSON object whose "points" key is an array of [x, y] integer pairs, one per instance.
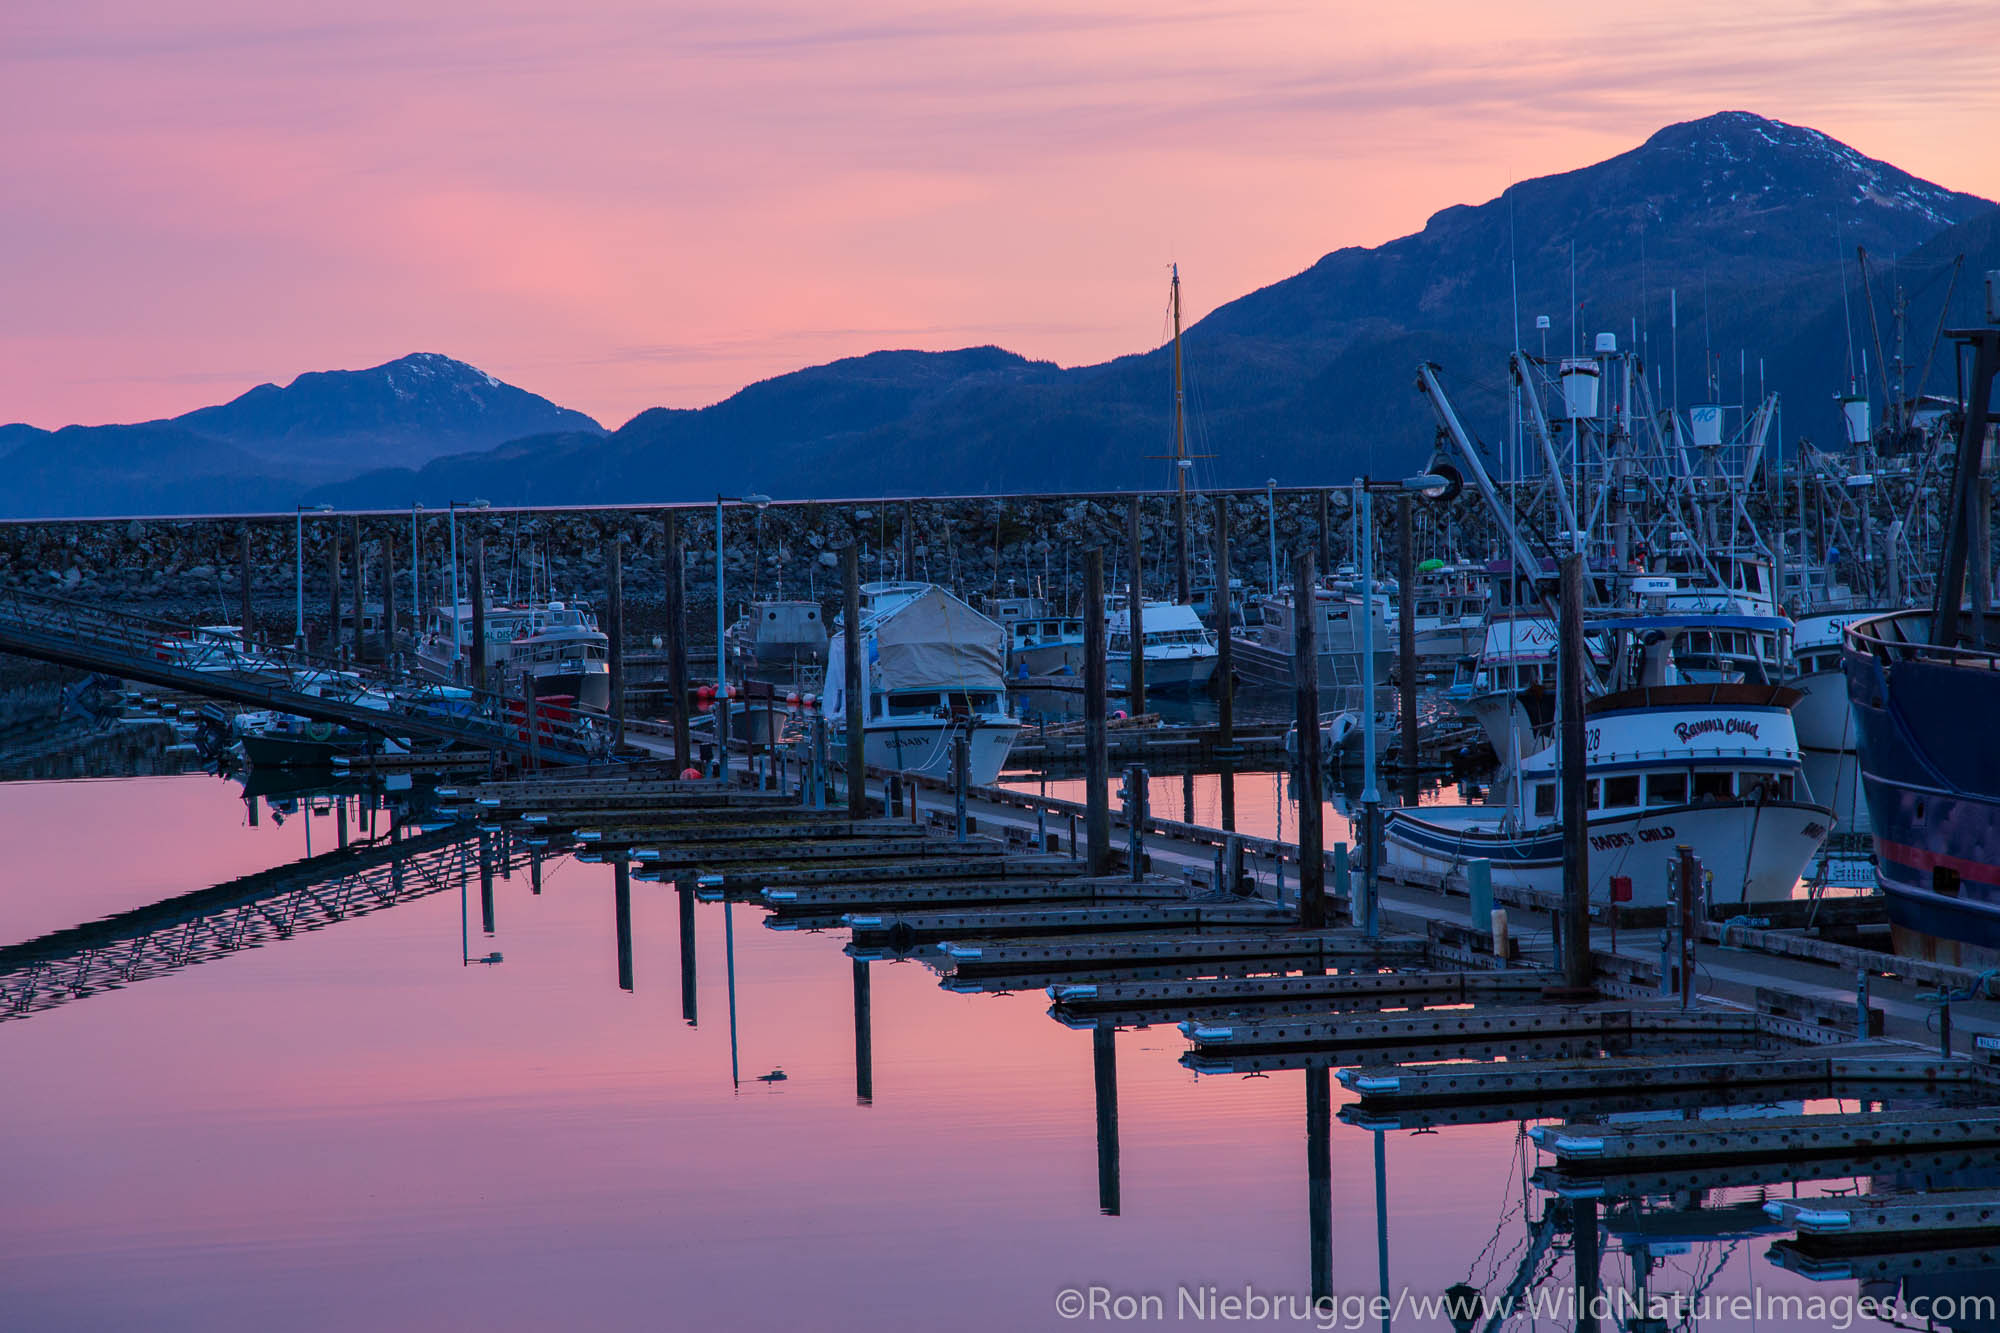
{"points": [[177, 657]]}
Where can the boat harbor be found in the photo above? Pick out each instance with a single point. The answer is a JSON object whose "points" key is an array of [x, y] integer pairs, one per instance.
{"points": [[1571, 850]]}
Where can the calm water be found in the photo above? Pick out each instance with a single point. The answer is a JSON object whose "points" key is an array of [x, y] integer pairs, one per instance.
{"points": [[352, 1128]]}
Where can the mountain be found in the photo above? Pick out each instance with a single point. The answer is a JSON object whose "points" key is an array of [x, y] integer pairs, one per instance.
{"points": [[257, 449], [1739, 228], [1722, 248]]}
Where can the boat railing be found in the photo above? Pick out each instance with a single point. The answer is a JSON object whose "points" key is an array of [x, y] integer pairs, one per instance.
{"points": [[1888, 638]]}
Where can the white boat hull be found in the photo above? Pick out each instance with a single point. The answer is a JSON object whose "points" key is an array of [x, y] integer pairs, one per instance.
{"points": [[1756, 853], [1173, 674], [925, 747], [1823, 718]]}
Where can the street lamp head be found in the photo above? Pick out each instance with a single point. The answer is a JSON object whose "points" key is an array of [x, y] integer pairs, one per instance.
{"points": [[1442, 482], [759, 500], [1271, 484]]}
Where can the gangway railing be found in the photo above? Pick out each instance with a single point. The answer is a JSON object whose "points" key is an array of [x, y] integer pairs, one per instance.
{"points": [[182, 657]]}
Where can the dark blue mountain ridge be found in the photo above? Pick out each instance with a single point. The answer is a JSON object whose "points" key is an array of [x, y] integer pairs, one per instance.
{"points": [[322, 426]]}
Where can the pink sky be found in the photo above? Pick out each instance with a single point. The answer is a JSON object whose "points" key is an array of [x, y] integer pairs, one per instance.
{"points": [[624, 203]]}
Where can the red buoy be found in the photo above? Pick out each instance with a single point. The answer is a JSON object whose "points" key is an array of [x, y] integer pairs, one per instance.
{"points": [[690, 775]]}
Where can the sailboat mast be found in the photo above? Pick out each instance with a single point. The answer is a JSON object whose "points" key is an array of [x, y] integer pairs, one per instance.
{"points": [[1181, 460]]}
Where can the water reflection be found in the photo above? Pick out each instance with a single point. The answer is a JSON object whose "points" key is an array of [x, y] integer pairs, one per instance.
{"points": [[540, 1143]]}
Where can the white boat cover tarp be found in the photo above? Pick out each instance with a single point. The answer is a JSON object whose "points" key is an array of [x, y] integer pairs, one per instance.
{"points": [[934, 641]]}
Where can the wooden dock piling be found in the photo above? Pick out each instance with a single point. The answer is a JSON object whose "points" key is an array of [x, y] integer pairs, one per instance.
{"points": [[1135, 599], [1311, 773], [852, 689], [614, 617], [1096, 762], [677, 645], [1406, 644], [1576, 964], [246, 615], [360, 580], [478, 590]]}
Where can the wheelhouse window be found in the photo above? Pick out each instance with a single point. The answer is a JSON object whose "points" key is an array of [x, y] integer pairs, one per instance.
{"points": [[1666, 788], [1545, 798], [1714, 784], [912, 704], [1622, 791], [1590, 794]]}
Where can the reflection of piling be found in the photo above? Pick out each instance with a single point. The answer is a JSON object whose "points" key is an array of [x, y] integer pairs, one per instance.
{"points": [[1319, 1178], [857, 752], [478, 613], [685, 892], [614, 609], [534, 869], [864, 1036], [622, 892], [1583, 1224], [677, 646], [340, 819], [1135, 601], [1096, 761], [1576, 848], [485, 884], [249, 623], [1312, 769], [1104, 1064], [1406, 631]]}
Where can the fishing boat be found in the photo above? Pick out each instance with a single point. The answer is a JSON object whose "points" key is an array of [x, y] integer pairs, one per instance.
{"points": [[557, 650], [1179, 652], [1040, 640], [1449, 616], [931, 672], [1923, 705], [777, 640], [1713, 766], [1339, 638], [445, 649], [1824, 717]]}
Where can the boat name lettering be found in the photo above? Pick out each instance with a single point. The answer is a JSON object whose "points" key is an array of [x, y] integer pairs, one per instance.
{"points": [[1731, 726], [1661, 833], [1604, 842]]}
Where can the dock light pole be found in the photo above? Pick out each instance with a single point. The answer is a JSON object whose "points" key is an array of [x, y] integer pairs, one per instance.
{"points": [[451, 520], [1438, 485], [1271, 526], [299, 513], [722, 628]]}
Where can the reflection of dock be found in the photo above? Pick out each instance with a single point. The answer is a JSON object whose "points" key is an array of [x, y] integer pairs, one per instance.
{"points": [[242, 914]]}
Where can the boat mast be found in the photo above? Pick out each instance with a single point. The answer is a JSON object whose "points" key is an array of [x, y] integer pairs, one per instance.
{"points": [[1181, 460]]}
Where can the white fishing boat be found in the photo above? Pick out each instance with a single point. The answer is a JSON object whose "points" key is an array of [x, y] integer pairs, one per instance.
{"points": [[1339, 638], [558, 650], [931, 671], [1179, 651], [1713, 766], [1824, 717], [1040, 640]]}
